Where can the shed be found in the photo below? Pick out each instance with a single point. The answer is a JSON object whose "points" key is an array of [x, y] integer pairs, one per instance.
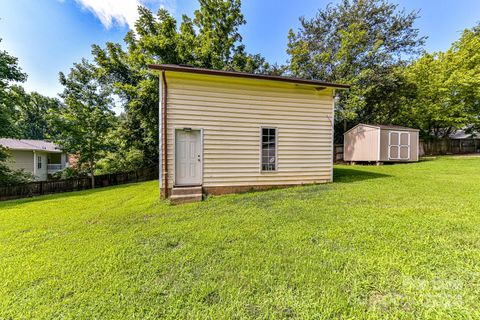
{"points": [[380, 143], [225, 131]]}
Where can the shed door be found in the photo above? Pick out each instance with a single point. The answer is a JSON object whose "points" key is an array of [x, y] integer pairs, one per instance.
{"points": [[188, 158], [399, 145]]}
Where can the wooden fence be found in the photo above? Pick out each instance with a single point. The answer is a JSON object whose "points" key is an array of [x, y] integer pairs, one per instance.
{"points": [[449, 146], [57, 186], [337, 153]]}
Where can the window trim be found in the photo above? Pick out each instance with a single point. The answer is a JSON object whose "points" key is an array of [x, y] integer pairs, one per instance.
{"points": [[39, 162], [260, 149]]}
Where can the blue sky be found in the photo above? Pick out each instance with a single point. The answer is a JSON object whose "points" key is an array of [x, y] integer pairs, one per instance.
{"points": [[48, 36]]}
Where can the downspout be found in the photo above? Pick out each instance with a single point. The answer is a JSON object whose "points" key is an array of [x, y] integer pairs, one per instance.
{"points": [[164, 134], [333, 155]]}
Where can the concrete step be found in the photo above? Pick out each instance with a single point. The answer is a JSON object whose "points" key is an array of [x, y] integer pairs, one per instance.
{"points": [[177, 191], [185, 198]]}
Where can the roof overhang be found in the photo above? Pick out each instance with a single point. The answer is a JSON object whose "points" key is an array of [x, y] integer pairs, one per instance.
{"points": [[34, 149], [245, 75], [381, 127]]}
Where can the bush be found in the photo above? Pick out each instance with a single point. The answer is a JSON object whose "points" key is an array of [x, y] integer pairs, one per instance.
{"points": [[116, 162], [69, 173]]}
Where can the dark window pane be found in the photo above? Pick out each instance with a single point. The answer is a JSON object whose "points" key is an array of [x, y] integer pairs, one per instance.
{"points": [[268, 149]]}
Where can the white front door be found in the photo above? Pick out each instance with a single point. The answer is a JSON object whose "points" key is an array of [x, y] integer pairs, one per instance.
{"points": [[188, 158]]}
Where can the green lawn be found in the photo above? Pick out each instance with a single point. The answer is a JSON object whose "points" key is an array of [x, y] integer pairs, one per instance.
{"points": [[399, 241]]}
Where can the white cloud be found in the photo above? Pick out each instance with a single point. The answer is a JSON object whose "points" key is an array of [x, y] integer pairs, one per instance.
{"points": [[121, 12]]}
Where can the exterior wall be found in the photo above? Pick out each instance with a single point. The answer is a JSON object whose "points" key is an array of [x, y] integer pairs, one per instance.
{"points": [[25, 159], [231, 111], [384, 145], [21, 159], [362, 144]]}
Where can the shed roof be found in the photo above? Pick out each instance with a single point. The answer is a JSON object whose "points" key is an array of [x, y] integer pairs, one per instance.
{"points": [[383, 126], [394, 127], [236, 74], [27, 144]]}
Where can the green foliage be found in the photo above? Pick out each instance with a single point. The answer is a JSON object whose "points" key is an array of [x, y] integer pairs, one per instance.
{"points": [[35, 115], [210, 39], [69, 173], [447, 87], [361, 43], [86, 118], [9, 72], [119, 161], [352, 249]]}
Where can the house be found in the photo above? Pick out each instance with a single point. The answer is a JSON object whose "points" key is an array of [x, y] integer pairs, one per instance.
{"points": [[462, 135], [464, 142], [38, 157], [224, 131], [380, 143]]}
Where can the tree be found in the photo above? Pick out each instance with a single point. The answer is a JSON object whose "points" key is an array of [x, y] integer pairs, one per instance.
{"points": [[362, 43], [87, 117], [121, 157], [447, 88], [9, 72], [34, 115], [211, 40]]}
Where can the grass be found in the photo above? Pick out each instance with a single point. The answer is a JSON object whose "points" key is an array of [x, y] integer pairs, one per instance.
{"points": [[399, 241]]}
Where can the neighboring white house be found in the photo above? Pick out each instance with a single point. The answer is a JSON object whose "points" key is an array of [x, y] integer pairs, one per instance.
{"points": [[38, 157], [225, 131]]}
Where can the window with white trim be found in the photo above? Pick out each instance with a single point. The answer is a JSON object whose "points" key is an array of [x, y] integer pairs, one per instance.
{"points": [[268, 152], [39, 162]]}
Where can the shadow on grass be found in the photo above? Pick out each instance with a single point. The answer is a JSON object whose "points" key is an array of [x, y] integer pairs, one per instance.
{"points": [[68, 194], [427, 158], [344, 175]]}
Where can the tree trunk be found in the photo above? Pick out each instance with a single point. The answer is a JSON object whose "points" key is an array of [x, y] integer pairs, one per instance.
{"points": [[92, 176]]}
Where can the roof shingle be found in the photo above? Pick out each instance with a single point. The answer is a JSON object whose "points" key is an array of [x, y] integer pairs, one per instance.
{"points": [[27, 144]]}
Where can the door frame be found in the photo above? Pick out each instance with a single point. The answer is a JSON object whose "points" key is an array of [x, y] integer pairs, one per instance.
{"points": [[175, 128], [399, 144]]}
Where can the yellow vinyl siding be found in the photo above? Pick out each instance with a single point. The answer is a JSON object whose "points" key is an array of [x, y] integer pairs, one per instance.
{"points": [[231, 111]]}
